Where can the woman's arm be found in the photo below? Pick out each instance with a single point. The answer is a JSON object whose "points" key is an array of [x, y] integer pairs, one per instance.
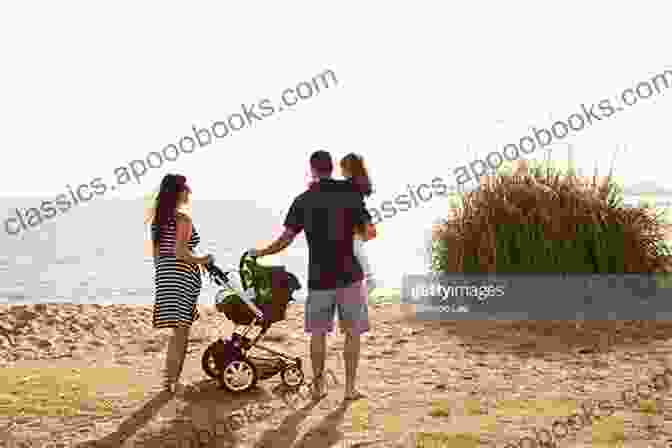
{"points": [[183, 236]]}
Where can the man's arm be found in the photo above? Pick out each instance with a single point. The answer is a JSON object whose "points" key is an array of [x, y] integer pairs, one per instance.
{"points": [[293, 226], [280, 244], [362, 219]]}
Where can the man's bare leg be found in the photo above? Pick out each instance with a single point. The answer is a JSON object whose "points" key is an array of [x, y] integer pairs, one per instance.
{"points": [[318, 354], [351, 350], [354, 309]]}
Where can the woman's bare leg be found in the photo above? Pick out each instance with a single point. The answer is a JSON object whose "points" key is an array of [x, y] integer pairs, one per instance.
{"points": [[183, 341], [175, 354]]}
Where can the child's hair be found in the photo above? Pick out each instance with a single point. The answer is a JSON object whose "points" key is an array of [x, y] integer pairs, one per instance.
{"points": [[354, 165]]}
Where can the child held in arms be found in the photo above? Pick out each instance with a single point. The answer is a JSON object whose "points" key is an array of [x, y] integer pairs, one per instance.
{"points": [[354, 170]]}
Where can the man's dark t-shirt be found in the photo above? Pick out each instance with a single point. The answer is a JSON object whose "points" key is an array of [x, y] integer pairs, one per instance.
{"points": [[328, 212]]}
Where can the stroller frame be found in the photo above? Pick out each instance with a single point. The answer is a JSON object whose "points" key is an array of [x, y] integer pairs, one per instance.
{"points": [[228, 360]]}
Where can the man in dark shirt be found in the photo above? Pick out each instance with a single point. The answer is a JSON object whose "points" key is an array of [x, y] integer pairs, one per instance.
{"points": [[328, 212]]}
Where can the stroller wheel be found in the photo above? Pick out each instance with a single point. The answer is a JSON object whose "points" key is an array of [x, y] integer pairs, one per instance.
{"points": [[208, 362], [292, 376], [239, 375]]}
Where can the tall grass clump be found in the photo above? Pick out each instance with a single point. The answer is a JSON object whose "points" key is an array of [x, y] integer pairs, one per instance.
{"points": [[540, 219]]}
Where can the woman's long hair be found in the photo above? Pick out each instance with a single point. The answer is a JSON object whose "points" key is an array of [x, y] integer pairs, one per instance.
{"points": [[166, 202], [354, 165]]}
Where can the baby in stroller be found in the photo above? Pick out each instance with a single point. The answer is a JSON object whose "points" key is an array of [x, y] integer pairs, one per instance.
{"points": [[253, 296]]}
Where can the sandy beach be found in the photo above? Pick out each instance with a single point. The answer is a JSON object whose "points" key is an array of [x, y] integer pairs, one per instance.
{"points": [[89, 376]]}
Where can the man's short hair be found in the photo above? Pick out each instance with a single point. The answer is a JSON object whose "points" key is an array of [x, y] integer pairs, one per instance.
{"points": [[320, 162]]}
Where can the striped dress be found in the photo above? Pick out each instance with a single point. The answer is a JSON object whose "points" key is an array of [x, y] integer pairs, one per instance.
{"points": [[177, 283]]}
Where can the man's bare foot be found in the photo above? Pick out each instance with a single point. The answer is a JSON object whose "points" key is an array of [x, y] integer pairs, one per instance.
{"points": [[353, 395], [319, 390]]}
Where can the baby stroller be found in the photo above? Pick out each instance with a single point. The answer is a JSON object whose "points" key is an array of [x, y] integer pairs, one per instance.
{"points": [[228, 360]]}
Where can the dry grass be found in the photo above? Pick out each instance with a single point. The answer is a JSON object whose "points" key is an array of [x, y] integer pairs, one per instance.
{"points": [[545, 221], [439, 439], [53, 392], [607, 432]]}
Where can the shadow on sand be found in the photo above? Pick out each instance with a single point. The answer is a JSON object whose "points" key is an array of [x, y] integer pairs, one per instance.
{"points": [[203, 422], [323, 435], [132, 424], [200, 422]]}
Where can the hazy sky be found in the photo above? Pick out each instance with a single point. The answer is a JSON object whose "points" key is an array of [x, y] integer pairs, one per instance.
{"points": [[87, 87]]}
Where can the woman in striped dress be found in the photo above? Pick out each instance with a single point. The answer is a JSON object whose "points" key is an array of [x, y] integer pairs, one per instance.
{"points": [[177, 272]]}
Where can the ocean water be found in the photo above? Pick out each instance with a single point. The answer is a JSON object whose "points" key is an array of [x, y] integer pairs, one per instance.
{"points": [[660, 202], [95, 253]]}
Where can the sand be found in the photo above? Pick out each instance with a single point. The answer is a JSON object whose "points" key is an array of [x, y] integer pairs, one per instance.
{"points": [[89, 376]]}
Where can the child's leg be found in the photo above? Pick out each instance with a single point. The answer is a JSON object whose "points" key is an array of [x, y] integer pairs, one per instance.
{"points": [[363, 259]]}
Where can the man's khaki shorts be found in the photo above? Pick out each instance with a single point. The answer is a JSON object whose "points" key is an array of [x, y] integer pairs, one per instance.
{"points": [[350, 302]]}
